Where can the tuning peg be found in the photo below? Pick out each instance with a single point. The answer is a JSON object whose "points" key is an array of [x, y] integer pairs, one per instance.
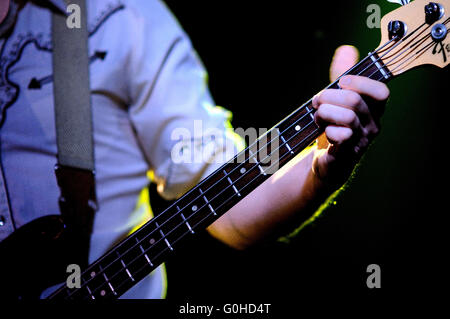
{"points": [[400, 2], [433, 12], [439, 32], [397, 29]]}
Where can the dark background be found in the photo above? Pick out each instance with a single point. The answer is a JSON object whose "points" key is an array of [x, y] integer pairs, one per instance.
{"points": [[266, 58]]}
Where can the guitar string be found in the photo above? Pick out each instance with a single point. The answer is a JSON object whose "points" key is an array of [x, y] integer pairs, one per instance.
{"points": [[160, 226], [183, 223], [391, 72], [419, 52], [406, 47], [139, 258], [408, 50], [219, 207], [221, 179], [331, 84], [201, 221], [388, 50], [194, 226], [209, 202], [392, 48], [427, 46], [305, 105], [164, 237], [155, 257], [424, 38], [187, 232], [276, 126], [423, 49], [404, 50], [209, 215]]}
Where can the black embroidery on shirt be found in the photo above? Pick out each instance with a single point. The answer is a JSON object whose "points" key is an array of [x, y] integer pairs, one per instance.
{"points": [[104, 16], [9, 90], [36, 84]]}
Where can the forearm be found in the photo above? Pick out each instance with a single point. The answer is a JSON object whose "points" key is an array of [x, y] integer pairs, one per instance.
{"points": [[277, 206], [293, 194]]}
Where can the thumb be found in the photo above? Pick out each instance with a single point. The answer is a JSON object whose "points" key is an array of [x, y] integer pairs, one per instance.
{"points": [[344, 58]]}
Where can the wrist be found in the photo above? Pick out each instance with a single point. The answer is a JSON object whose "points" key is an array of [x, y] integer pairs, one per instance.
{"points": [[327, 174]]}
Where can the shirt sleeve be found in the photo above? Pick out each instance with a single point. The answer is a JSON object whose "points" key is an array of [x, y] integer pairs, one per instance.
{"points": [[183, 135]]}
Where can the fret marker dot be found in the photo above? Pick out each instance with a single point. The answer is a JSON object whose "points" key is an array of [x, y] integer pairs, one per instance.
{"points": [[152, 241], [242, 170], [103, 292], [194, 208], [93, 274], [297, 128]]}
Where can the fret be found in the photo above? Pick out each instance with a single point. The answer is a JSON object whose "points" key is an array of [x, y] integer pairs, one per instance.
{"points": [[94, 278], [371, 66], [128, 272], [125, 266], [133, 258], [231, 183], [252, 155], [216, 195], [148, 259], [284, 141], [207, 202], [187, 224], [150, 238], [185, 220], [90, 293], [212, 210], [164, 237], [378, 65], [192, 208], [310, 113], [295, 124], [260, 168], [218, 189], [254, 158], [144, 253], [103, 292]]}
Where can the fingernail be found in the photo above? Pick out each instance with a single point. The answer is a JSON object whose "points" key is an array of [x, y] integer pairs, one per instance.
{"points": [[314, 101]]}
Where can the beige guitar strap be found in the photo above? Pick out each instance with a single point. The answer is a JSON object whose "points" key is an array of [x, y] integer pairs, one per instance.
{"points": [[74, 132]]}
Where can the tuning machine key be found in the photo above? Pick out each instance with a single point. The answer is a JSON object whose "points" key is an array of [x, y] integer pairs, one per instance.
{"points": [[433, 12], [397, 29], [439, 32]]}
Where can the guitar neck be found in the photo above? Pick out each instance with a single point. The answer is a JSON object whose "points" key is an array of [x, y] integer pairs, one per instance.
{"points": [[144, 250]]}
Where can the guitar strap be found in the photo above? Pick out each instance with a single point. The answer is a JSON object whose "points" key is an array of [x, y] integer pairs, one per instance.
{"points": [[74, 132]]}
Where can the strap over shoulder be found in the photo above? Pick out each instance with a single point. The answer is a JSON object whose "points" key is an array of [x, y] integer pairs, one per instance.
{"points": [[74, 129]]}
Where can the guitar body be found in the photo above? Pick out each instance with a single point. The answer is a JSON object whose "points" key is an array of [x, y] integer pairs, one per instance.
{"points": [[34, 258]]}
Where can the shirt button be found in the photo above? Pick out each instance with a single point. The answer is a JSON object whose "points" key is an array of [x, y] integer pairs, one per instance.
{"points": [[2, 220]]}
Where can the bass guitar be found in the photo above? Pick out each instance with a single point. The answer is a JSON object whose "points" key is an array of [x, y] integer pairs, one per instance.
{"points": [[413, 35]]}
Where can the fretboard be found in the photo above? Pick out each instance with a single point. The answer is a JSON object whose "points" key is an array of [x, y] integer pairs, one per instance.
{"points": [[144, 250]]}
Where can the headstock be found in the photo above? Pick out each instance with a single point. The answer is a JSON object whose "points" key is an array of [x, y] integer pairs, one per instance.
{"points": [[411, 37]]}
